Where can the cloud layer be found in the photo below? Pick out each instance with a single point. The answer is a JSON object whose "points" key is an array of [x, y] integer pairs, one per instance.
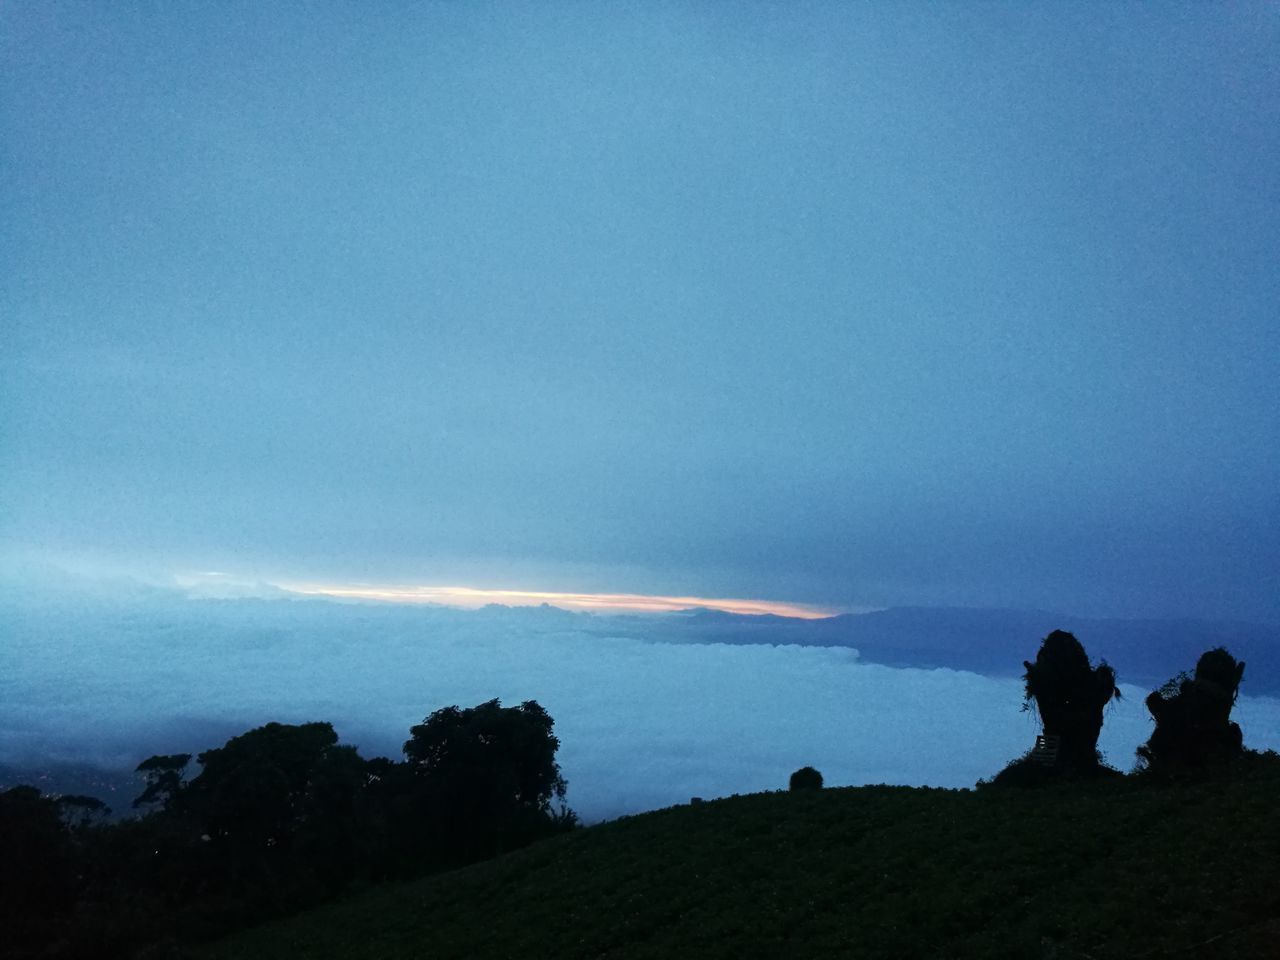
{"points": [[643, 723]]}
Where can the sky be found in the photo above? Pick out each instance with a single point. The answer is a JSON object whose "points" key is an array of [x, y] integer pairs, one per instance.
{"points": [[840, 305]]}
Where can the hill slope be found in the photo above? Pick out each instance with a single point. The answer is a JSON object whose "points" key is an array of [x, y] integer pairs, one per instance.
{"points": [[1114, 869]]}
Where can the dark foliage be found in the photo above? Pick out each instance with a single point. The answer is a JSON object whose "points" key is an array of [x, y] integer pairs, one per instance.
{"points": [[1115, 869], [77, 810], [163, 777], [259, 790], [1193, 717], [1030, 771], [278, 818], [37, 870], [476, 782], [1069, 694], [499, 758], [806, 778]]}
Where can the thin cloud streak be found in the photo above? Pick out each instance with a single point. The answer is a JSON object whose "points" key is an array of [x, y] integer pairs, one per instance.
{"points": [[472, 597]]}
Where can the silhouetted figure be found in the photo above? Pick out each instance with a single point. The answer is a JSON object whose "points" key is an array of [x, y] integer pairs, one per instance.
{"points": [[1193, 716], [806, 778]]}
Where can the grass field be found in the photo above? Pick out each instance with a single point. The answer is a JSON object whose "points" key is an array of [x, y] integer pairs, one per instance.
{"points": [[1103, 870]]}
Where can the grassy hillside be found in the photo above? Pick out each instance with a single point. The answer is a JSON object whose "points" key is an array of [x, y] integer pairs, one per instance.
{"points": [[1113, 869]]}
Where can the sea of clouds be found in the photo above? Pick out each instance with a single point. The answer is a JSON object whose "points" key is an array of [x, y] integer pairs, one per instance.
{"points": [[643, 722]]}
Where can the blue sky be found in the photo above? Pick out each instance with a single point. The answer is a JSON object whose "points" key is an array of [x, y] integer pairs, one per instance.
{"points": [[841, 304]]}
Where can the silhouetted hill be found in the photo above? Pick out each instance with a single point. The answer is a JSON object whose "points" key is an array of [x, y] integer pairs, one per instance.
{"points": [[1109, 870]]}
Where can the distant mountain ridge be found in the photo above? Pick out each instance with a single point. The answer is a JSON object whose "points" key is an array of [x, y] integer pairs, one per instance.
{"points": [[988, 641], [994, 642]]}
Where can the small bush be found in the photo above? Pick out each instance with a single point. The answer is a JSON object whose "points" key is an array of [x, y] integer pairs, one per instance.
{"points": [[806, 778]]}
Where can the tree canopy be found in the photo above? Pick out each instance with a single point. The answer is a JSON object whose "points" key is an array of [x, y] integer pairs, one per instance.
{"points": [[1070, 693], [490, 755], [1193, 716]]}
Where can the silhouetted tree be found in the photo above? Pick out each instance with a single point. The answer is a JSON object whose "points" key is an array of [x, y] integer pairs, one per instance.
{"points": [[806, 778], [1193, 716], [489, 775], [331, 837], [278, 818], [37, 871], [78, 810], [1070, 695], [163, 777], [260, 791]]}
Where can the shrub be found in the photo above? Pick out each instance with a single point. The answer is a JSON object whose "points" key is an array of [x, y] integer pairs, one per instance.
{"points": [[806, 778], [1193, 717]]}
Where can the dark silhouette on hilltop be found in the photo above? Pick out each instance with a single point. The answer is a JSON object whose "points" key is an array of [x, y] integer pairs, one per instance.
{"points": [[1193, 717], [806, 778], [1069, 694], [487, 776], [277, 818], [260, 788]]}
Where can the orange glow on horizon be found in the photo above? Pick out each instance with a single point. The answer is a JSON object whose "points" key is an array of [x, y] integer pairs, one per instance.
{"points": [[476, 597]]}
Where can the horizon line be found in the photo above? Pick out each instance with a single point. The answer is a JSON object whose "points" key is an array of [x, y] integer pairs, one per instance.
{"points": [[475, 597]]}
